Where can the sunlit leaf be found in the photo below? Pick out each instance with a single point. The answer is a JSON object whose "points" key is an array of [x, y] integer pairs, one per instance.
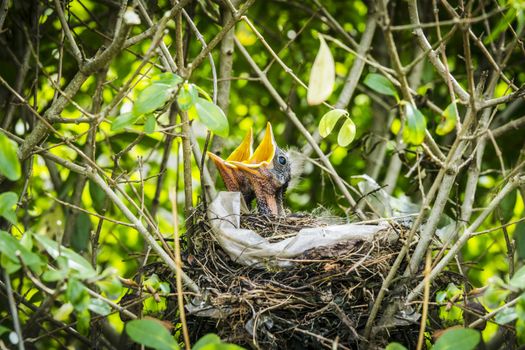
{"points": [[99, 307], [10, 247], [77, 294], [506, 315], [98, 197], [150, 124], [507, 206], [380, 84], [322, 75], [415, 125], [212, 116], [152, 98], [74, 261], [124, 120], [63, 312], [395, 346], [518, 280], [346, 133], [328, 121], [448, 120], [4, 330], [151, 333], [458, 339], [170, 79], [502, 25], [9, 163], [187, 97], [213, 342], [7, 203]]}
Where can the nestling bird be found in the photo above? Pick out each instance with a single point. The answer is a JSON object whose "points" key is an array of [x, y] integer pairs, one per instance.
{"points": [[264, 173]]}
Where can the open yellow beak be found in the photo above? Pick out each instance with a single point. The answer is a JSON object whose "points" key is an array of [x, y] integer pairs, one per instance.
{"points": [[228, 170], [262, 156]]}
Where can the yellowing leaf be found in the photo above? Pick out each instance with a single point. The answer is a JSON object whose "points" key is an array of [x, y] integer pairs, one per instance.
{"points": [[244, 34], [346, 133], [322, 76], [9, 163], [415, 125], [448, 120], [328, 121]]}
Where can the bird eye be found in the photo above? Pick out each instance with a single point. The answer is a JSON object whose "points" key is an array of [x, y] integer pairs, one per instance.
{"points": [[282, 160]]}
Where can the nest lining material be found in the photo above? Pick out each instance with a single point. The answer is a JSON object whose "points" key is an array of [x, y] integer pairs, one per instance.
{"points": [[322, 294]]}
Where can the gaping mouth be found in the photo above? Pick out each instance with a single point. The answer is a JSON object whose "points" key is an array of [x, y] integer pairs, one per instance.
{"points": [[262, 157], [251, 172]]}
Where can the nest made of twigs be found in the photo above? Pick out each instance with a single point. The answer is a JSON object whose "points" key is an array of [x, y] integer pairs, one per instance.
{"points": [[325, 296]]}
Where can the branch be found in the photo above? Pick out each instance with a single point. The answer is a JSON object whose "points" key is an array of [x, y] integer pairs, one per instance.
{"points": [[469, 232], [70, 39]]}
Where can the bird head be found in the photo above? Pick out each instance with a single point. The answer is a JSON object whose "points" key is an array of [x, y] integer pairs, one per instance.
{"points": [[268, 172]]}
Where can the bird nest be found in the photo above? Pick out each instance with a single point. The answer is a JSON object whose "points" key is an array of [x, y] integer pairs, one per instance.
{"points": [[318, 298]]}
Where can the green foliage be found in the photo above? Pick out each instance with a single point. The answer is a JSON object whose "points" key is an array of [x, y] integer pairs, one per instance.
{"points": [[346, 133], [212, 116], [8, 201], [380, 84], [395, 346], [415, 125], [213, 342], [448, 120], [9, 164], [152, 334], [458, 339], [14, 254]]}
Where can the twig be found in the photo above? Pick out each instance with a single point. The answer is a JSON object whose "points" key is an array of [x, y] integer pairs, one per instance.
{"points": [[178, 264], [14, 310], [426, 296]]}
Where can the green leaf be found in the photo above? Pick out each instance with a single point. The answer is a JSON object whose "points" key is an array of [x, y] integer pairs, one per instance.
{"points": [[346, 133], [328, 121], [81, 232], [395, 346], [63, 312], [77, 294], [150, 124], [152, 98], [9, 163], [506, 315], [518, 280], [4, 330], [322, 75], [458, 339], [448, 120], [187, 97], [111, 286], [206, 340], [98, 197], [151, 333], [99, 307], [213, 342], [168, 78], [7, 203], [495, 293], [212, 116], [507, 206], [415, 125], [502, 25], [380, 84], [519, 239], [74, 261], [124, 120], [9, 246]]}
